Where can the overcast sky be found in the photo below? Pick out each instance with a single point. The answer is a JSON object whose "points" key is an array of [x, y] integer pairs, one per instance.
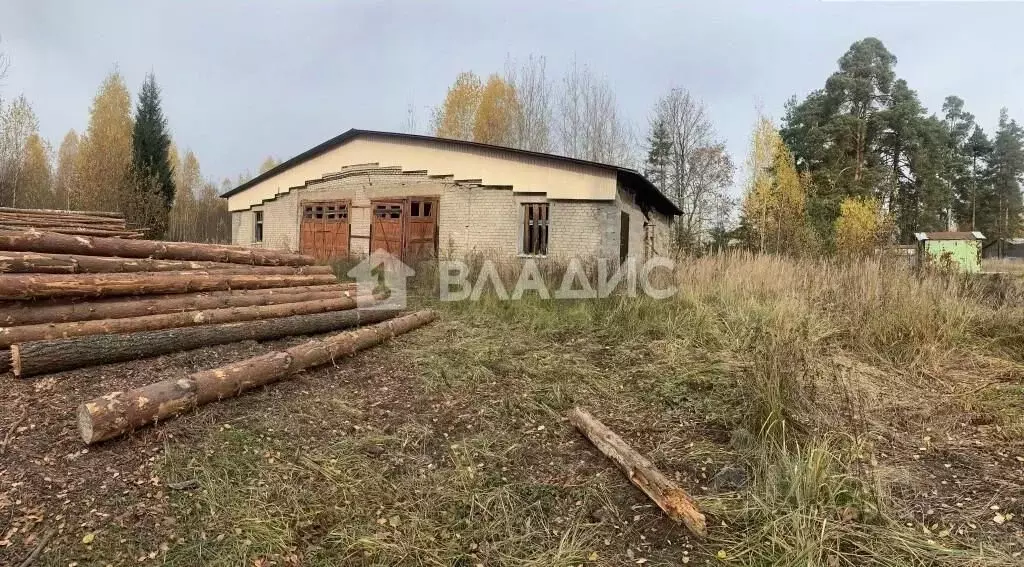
{"points": [[245, 79]]}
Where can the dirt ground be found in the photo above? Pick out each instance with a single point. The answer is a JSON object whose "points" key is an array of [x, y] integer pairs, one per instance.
{"points": [[443, 447]]}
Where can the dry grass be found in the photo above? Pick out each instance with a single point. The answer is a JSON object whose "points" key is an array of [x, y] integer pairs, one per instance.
{"points": [[877, 416]]}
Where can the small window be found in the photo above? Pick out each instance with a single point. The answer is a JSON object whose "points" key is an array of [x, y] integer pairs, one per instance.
{"points": [[414, 210], [318, 212], [535, 229], [257, 227], [307, 212], [426, 208], [623, 236]]}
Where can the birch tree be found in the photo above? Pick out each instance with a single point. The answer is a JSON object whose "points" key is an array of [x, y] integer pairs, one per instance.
{"points": [[64, 184], [532, 125], [105, 151], [588, 124], [496, 113], [457, 114], [17, 123], [35, 181], [699, 168]]}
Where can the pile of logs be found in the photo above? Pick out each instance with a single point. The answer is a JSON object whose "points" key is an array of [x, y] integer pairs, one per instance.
{"points": [[82, 223], [70, 301]]}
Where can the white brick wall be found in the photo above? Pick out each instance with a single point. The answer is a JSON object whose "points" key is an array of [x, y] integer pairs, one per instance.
{"points": [[471, 219]]}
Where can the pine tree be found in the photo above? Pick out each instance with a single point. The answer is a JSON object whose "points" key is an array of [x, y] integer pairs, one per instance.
{"points": [[959, 126], [1007, 171], [150, 141]]}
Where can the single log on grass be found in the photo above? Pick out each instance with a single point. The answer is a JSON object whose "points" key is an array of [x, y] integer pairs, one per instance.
{"points": [[641, 472], [43, 263], [46, 332], [41, 286], [46, 357], [15, 313], [52, 242], [117, 413]]}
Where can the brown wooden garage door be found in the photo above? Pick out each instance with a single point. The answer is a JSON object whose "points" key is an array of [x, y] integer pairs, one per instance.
{"points": [[406, 228], [324, 231]]}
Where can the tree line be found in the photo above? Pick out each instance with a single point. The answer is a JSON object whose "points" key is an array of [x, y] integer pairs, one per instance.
{"points": [[578, 116], [124, 161], [855, 165]]}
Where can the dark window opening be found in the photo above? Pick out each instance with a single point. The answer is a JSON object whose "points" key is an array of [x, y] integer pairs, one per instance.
{"points": [[623, 236], [387, 211], [414, 209], [257, 229], [426, 208], [535, 229]]}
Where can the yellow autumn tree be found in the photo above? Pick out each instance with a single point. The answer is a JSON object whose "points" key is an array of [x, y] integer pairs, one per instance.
{"points": [[269, 163], [775, 200], [457, 115], [495, 118], [64, 184], [861, 228], [35, 183], [105, 150]]}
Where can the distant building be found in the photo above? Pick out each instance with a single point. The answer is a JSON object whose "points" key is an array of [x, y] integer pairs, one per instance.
{"points": [[1009, 248], [960, 249]]}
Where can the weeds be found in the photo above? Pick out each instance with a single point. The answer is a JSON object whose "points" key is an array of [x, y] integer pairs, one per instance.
{"points": [[794, 372]]}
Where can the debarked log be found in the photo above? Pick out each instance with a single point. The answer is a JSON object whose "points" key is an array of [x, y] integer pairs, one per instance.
{"points": [[28, 333], [44, 286], [38, 241], [117, 413], [45, 357]]}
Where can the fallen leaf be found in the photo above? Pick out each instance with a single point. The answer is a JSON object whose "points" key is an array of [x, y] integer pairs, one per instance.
{"points": [[592, 556], [88, 538]]}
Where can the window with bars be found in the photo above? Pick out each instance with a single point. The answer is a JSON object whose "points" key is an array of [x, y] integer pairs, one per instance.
{"points": [[535, 229], [325, 212], [257, 226]]}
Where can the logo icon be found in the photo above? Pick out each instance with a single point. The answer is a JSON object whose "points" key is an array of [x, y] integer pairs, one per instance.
{"points": [[381, 281]]}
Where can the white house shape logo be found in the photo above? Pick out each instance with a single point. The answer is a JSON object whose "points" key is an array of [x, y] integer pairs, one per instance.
{"points": [[382, 275]]}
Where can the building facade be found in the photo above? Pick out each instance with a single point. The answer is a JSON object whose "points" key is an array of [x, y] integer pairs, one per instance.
{"points": [[417, 196]]}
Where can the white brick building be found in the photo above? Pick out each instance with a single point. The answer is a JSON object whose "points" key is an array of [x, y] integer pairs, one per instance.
{"points": [[419, 196]]}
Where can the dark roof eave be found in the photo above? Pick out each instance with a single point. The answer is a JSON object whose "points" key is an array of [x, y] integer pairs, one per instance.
{"points": [[630, 176]]}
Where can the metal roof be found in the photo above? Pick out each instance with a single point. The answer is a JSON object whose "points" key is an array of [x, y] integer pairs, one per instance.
{"points": [[949, 236], [625, 175]]}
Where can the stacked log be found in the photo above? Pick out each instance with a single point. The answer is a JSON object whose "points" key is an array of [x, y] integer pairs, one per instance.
{"points": [[71, 301], [83, 223], [117, 413]]}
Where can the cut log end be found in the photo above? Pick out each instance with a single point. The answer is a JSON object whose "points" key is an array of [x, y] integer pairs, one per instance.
{"points": [[15, 360], [85, 423]]}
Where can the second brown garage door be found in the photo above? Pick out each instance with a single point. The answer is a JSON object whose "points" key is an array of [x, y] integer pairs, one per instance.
{"points": [[406, 228]]}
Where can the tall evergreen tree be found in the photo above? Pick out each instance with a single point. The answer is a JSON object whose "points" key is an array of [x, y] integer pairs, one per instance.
{"points": [[959, 126], [977, 205], [834, 133], [150, 141], [659, 154], [1007, 171]]}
